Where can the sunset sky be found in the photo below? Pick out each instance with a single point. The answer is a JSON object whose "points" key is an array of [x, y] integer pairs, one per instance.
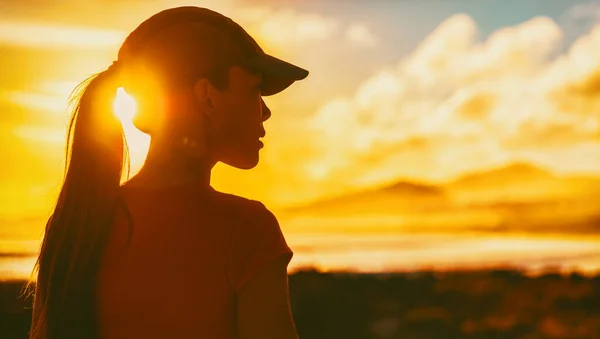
{"points": [[412, 89]]}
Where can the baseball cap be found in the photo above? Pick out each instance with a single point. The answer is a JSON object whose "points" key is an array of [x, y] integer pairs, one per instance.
{"points": [[189, 42]]}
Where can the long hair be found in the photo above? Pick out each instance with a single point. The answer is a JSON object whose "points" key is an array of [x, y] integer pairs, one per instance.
{"points": [[76, 233]]}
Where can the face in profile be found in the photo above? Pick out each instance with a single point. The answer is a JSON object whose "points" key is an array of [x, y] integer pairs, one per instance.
{"points": [[235, 119]]}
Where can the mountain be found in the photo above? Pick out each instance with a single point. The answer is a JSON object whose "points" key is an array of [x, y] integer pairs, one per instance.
{"points": [[517, 182], [516, 197], [391, 197], [408, 188], [513, 174], [518, 175]]}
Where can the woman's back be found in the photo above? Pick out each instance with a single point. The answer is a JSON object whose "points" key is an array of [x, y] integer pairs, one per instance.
{"points": [[176, 270]]}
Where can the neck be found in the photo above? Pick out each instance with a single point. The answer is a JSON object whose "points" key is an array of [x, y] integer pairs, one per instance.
{"points": [[164, 168]]}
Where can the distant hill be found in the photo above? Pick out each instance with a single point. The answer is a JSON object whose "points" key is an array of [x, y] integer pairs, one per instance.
{"points": [[391, 197], [518, 182], [520, 175], [516, 173], [518, 196], [411, 189]]}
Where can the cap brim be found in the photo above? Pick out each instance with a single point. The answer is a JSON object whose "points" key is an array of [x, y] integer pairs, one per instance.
{"points": [[277, 74]]}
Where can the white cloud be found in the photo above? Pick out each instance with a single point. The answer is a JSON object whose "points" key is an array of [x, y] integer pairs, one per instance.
{"points": [[457, 103], [287, 25], [360, 34], [580, 18], [585, 10]]}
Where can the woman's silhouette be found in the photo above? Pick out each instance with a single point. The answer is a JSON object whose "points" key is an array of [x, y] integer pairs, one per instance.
{"points": [[164, 255]]}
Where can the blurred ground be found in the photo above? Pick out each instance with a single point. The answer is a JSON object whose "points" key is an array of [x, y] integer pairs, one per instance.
{"points": [[470, 304]]}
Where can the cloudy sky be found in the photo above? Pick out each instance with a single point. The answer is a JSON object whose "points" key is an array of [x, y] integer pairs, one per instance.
{"points": [[424, 90]]}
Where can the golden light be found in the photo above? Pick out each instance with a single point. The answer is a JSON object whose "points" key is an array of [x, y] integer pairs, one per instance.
{"points": [[124, 105], [125, 108]]}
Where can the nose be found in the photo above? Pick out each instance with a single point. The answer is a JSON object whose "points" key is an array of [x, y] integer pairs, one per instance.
{"points": [[266, 112]]}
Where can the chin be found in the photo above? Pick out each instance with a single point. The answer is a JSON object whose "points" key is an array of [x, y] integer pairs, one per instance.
{"points": [[243, 163], [246, 166]]}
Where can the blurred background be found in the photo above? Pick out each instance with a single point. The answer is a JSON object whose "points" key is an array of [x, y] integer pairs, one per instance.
{"points": [[437, 175]]}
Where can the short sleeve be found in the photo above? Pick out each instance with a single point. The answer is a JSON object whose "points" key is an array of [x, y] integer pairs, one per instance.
{"points": [[256, 241]]}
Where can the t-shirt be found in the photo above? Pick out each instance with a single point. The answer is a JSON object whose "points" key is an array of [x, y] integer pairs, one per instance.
{"points": [[175, 262]]}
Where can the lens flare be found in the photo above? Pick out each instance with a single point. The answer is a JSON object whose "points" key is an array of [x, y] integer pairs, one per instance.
{"points": [[124, 105], [125, 108]]}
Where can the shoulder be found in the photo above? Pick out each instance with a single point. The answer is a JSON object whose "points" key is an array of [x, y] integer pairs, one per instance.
{"points": [[256, 241], [244, 208]]}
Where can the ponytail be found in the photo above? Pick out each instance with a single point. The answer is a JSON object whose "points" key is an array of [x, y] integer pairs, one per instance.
{"points": [[77, 231]]}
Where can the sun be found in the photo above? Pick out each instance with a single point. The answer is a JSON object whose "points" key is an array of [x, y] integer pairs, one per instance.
{"points": [[125, 108], [124, 105]]}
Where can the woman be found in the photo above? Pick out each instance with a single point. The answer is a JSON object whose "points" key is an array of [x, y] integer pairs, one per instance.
{"points": [[164, 255]]}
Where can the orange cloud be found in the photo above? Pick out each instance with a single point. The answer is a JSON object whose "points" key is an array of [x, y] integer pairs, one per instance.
{"points": [[42, 134], [581, 97], [50, 35], [477, 107], [37, 101], [456, 103]]}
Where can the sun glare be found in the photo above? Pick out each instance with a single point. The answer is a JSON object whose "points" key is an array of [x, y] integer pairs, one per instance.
{"points": [[124, 105], [125, 109]]}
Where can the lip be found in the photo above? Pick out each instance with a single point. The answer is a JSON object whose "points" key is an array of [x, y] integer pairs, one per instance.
{"points": [[260, 144]]}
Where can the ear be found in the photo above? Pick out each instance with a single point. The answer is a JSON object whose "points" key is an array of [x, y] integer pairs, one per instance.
{"points": [[202, 92], [205, 97]]}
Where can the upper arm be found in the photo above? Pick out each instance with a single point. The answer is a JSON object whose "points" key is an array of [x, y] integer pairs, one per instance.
{"points": [[256, 242], [257, 270], [263, 307]]}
